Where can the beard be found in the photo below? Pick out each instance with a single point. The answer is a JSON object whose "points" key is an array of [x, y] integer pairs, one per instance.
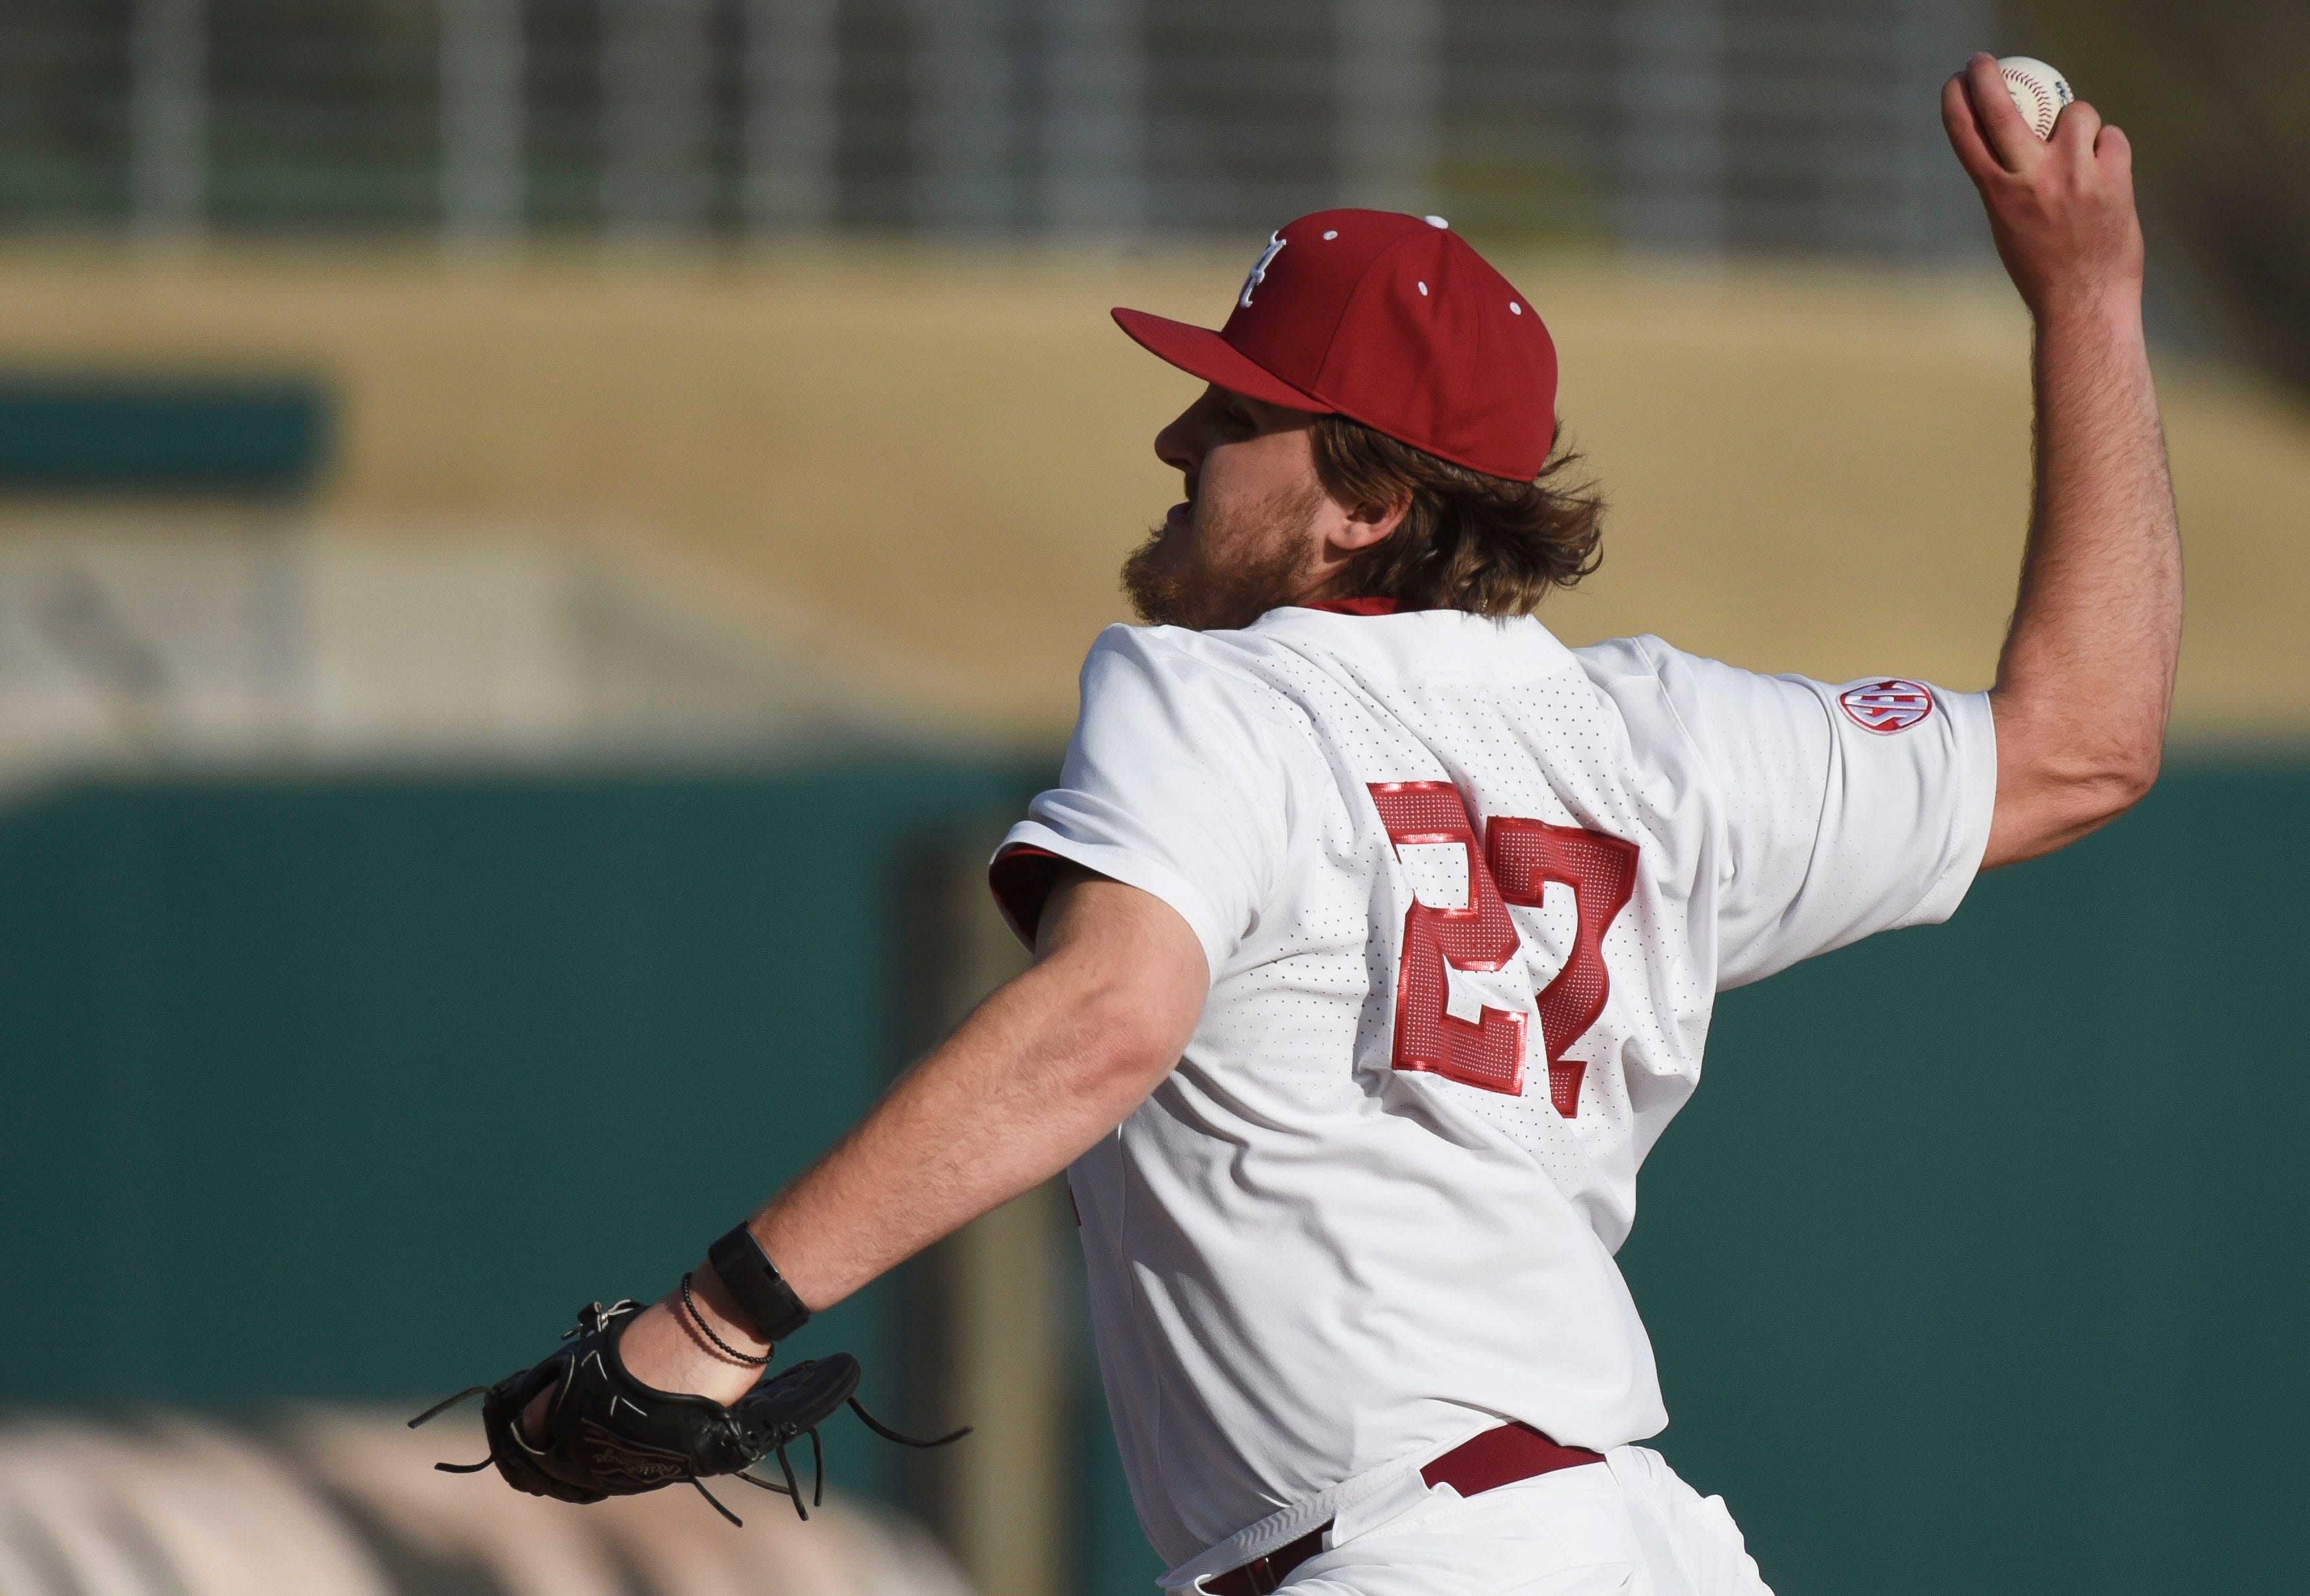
{"points": [[1238, 564]]}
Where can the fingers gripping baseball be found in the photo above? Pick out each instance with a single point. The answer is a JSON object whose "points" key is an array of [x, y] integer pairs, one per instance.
{"points": [[2011, 142], [2074, 134], [2061, 208]]}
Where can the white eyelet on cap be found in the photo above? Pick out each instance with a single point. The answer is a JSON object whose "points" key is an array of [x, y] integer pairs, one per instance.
{"points": [[1423, 290], [1435, 221], [1333, 233], [1515, 308]]}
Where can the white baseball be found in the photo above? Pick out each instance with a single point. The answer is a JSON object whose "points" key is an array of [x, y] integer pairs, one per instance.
{"points": [[2037, 88]]}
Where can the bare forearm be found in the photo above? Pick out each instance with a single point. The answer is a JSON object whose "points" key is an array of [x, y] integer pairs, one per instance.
{"points": [[1022, 1086], [979, 1122], [2087, 675], [1052, 1062], [2087, 670]]}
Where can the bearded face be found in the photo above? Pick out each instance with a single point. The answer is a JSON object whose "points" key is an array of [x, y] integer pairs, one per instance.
{"points": [[1225, 564], [1248, 536]]}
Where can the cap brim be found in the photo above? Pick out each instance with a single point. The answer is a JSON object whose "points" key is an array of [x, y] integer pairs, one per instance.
{"points": [[1201, 352]]}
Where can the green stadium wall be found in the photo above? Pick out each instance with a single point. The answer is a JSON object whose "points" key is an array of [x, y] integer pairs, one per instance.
{"points": [[354, 1090], [1976, 1264]]}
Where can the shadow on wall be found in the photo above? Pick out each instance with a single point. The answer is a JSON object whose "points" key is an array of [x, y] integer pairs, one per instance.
{"points": [[338, 1502]]}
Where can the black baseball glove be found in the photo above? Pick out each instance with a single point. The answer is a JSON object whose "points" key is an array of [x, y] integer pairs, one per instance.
{"points": [[609, 1435]]}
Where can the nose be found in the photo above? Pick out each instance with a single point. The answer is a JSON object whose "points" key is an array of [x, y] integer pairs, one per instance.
{"points": [[1174, 445], [1181, 444]]}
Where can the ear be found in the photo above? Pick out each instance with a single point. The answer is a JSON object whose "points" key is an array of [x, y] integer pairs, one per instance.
{"points": [[1364, 524]]}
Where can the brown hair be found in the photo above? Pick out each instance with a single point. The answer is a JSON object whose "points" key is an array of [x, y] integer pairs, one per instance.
{"points": [[1491, 545]]}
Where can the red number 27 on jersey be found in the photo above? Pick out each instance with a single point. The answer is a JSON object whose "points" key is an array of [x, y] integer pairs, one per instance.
{"points": [[1514, 861]]}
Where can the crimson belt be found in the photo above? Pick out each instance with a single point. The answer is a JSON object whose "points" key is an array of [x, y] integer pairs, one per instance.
{"points": [[1497, 1457]]}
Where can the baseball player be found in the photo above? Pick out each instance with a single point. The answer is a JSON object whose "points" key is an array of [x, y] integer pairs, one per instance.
{"points": [[1376, 931]]}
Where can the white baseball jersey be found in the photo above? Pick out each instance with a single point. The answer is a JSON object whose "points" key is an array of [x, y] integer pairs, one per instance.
{"points": [[1467, 897]]}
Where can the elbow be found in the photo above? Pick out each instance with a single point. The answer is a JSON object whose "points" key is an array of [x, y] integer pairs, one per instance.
{"points": [[2058, 780], [2109, 780], [2096, 788], [2128, 781], [1124, 1042]]}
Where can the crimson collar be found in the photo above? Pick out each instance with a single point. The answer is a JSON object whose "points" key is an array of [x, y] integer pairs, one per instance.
{"points": [[1358, 606]]}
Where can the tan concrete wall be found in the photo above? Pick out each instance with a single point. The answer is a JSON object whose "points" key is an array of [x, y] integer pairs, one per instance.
{"points": [[941, 462]]}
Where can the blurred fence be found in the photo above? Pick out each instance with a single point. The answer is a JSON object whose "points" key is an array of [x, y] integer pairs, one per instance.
{"points": [[1695, 125], [343, 1503], [191, 639]]}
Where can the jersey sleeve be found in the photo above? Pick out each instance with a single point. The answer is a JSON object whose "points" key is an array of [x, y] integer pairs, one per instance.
{"points": [[1846, 810], [1172, 784]]}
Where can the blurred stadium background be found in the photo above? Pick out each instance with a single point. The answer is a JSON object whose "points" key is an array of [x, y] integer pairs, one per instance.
{"points": [[541, 540]]}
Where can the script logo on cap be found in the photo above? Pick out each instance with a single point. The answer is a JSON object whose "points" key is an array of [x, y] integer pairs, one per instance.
{"points": [[1258, 273]]}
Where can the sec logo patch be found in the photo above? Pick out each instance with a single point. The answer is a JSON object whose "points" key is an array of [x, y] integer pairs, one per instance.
{"points": [[1886, 706]]}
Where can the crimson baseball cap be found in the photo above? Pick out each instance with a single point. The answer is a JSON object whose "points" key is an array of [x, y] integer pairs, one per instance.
{"points": [[1393, 321]]}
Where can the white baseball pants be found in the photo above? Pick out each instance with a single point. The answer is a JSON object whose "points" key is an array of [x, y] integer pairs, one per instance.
{"points": [[1624, 1527]]}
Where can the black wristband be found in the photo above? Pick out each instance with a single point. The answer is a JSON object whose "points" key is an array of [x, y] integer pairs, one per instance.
{"points": [[755, 1285]]}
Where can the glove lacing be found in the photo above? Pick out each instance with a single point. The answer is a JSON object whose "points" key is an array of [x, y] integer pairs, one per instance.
{"points": [[594, 1316]]}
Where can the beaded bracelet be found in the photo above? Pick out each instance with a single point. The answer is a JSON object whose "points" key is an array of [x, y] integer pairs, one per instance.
{"points": [[726, 1349]]}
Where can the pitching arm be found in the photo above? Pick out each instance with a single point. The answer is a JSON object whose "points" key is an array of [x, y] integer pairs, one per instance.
{"points": [[2087, 675]]}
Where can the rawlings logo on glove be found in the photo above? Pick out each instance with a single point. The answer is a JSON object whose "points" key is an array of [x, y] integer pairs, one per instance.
{"points": [[608, 1435]]}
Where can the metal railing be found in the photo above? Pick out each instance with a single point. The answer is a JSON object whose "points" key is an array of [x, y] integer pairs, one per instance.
{"points": [[1695, 125]]}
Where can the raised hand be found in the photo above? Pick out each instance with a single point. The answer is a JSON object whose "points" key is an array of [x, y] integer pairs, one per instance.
{"points": [[2061, 208]]}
